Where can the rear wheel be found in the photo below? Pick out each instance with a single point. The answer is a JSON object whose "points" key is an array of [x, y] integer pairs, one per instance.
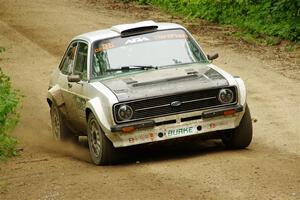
{"points": [[241, 136], [60, 130], [101, 148]]}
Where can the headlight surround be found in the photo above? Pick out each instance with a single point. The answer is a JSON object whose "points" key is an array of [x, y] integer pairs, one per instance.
{"points": [[125, 112], [225, 96]]}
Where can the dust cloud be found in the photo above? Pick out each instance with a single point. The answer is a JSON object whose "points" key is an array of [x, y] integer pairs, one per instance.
{"points": [[43, 142]]}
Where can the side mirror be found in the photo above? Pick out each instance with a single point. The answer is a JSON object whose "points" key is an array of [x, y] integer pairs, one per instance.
{"points": [[74, 78], [212, 57]]}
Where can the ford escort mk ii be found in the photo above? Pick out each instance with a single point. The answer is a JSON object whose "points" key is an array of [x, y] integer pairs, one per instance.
{"points": [[142, 83]]}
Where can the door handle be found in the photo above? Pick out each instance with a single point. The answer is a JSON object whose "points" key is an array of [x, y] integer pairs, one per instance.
{"points": [[70, 85]]}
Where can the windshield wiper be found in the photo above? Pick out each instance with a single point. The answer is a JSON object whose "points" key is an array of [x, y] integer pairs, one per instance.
{"points": [[129, 67]]}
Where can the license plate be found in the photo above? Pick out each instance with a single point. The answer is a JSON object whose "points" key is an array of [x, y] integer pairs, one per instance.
{"points": [[181, 131]]}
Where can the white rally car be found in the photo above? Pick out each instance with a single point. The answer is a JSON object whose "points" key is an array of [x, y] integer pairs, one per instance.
{"points": [[142, 83]]}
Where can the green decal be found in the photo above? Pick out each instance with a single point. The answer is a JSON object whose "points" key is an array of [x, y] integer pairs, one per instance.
{"points": [[180, 131]]}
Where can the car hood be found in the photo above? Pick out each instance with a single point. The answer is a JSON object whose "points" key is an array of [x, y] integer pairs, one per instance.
{"points": [[165, 81]]}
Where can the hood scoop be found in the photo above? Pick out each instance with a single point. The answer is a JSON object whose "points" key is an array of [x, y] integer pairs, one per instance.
{"points": [[191, 71], [129, 81], [191, 74], [178, 78]]}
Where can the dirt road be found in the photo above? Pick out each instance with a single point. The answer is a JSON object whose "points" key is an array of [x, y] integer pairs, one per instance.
{"points": [[35, 35]]}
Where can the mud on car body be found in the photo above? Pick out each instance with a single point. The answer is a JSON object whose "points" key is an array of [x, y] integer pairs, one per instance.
{"points": [[141, 83]]}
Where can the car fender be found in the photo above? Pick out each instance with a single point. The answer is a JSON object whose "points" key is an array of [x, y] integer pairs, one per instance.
{"points": [[241, 91], [54, 95], [242, 98], [100, 112]]}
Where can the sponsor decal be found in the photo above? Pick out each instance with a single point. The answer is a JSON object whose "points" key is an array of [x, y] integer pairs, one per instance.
{"points": [[171, 36], [131, 140], [151, 135], [142, 138], [136, 40], [212, 125], [180, 131], [104, 46]]}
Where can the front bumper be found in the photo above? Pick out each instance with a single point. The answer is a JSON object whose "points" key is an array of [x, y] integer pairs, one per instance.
{"points": [[195, 123]]}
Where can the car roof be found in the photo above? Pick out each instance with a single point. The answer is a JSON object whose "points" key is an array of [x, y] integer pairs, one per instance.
{"points": [[117, 30]]}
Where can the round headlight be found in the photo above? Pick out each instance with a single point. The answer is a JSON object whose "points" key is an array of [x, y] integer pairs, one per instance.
{"points": [[125, 112], [225, 96]]}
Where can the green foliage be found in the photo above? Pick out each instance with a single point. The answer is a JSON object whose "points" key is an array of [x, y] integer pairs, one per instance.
{"points": [[9, 100], [290, 48], [8, 103], [280, 18], [7, 146]]}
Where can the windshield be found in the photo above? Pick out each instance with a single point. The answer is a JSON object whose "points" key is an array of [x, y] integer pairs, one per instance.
{"points": [[157, 49]]}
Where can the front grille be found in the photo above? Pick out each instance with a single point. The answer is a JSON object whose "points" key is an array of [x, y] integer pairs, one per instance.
{"points": [[161, 106]]}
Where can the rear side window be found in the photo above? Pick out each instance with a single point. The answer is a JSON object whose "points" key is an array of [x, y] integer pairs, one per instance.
{"points": [[68, 60], [80, 66]]}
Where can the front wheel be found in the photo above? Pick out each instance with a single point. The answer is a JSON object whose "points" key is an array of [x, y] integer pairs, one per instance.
{"points": [[101, 148], [241, 136]]}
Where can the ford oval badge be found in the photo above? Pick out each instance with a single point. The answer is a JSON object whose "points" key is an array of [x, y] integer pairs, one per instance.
{"points": [[176, 103]]}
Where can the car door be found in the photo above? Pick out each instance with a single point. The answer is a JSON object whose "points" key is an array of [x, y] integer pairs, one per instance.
{"points": [[77, 91], [66, 67]]}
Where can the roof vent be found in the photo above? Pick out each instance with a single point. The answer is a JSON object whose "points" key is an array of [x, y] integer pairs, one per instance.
{"points": [[135, 29]]}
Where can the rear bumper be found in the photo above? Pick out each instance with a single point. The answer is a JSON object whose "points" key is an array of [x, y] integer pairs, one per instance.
{"points": [[195, 123]]}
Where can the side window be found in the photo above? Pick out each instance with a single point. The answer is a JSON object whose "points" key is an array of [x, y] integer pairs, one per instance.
{"points": [[80, 66], [68, 60]]}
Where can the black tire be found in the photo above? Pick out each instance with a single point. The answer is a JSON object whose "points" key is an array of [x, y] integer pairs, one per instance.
{"points": [[241, 136], [60, 131], [101, 148]]}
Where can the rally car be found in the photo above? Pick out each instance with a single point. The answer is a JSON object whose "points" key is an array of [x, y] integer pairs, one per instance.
{"points": [[143, 83]]}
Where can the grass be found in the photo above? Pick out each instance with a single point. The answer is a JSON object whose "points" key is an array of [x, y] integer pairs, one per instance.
{"points": [[7, 146], [9, 101], [260, 21]]}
